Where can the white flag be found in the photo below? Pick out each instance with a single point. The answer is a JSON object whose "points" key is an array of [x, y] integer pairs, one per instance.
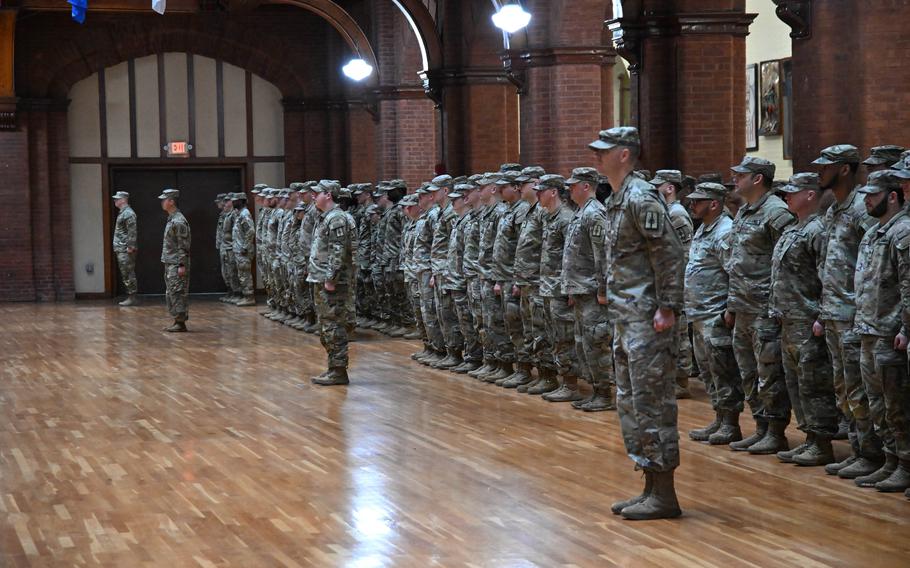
{"points": [[159, 6]]}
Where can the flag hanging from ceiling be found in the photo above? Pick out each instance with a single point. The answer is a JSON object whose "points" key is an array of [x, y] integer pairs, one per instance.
{"points": [[159, 6], [79, 9]]}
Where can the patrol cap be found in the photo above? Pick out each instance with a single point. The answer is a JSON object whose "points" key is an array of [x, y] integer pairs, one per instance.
{"points": [[329, 186], [510, 167], [454, 194], [800, 182], [589, 175], [169, 194], [643, 174], [667, 176], [709, 190], [901, 169], [297, 186], [258, 188], [626, 136], [838, 154], [443, 181], [371, 209], [409, 200], [881, 181], [712, 177], [550, 181], [509, 177], [489, 177], [220, 197], [458, 180], [237, 195], [300, 206], [751, 165], [284, 193], [529, 173], [464, 188], [475, 178], [887, 154], [121, 195]]}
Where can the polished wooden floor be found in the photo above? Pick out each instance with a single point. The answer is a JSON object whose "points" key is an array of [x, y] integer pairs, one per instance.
{"points": [[124, 446]]}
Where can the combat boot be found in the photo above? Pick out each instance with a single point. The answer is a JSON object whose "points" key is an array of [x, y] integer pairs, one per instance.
{"points": [[312, 325], [129, 301], [433, 357], [530, 384], [602, 399], [451, 360], [412, 334], [617, 507], [661, 503], [381, 327], [466, 367], [397, 331], [567, 392], [728, 432], [522, 376], [843, 428], [547, 383], [485, 368], [773, 442], [505, 369], [897, 481], [682, 388], [880, 474], [579, 403], [176, 327], [246, 301], [761, 428], [234, 299], [818, 453], [293, 321], [862, 466], [787, 456], [336, 376], [834, 468], [907, 493], [300, 325], [702, 434], [224, 298], [420, 354]]}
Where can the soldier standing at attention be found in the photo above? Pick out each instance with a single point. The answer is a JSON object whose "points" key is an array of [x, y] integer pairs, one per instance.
{"points": [[126, 241], [756, 336], [244, 251], [645, 286], [333, 272], [226, 252], [439, 253], [882, 157], [175, 255]]}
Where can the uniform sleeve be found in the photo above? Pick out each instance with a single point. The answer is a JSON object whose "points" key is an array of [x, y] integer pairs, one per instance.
{"points": [[901, 260], [665, 252], [132, 232], [597, 233], [337, 237], [778, 221], [183, 241]]}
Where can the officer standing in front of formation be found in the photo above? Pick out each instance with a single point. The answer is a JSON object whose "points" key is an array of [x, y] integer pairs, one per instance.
{"points": [[332, 271], [175, 255], [644, 280], [126, 244], [244, 250]]}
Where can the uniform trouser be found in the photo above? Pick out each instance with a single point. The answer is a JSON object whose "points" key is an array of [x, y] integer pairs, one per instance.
{"points": [[645, 394], [560, 336], [428, 311], [265, 270], [244, 273], [396, 296], [844, 348], [275, 276], [448, 317], [756, 343], [127, 264], [364, 289], [594, 340], [885, 377], [472, 350], [414, 298], [300, 290], [229, 271], [475, 304], [511, 308], [714, 352], [177, 291], [376, 304], [810, 383], [496, 344], [334, 312], [683, 348], [533, 321]]}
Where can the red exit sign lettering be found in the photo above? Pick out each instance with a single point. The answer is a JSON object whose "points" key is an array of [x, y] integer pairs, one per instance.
{"points": [[178, 149]]}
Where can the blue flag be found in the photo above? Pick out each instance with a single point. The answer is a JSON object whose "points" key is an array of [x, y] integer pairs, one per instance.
{"points": [[79, 9]]}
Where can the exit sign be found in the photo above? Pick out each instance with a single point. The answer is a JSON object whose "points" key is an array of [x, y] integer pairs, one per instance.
{"points": [[178, 149]]}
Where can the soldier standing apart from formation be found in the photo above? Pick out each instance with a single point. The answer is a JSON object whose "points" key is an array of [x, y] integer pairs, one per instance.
{"points": [[645, 291], [126, 237], [332, 269], [244, 251], [175, 255]]}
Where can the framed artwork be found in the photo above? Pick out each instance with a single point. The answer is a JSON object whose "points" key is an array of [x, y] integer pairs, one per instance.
{"points": [[751, 107], [786, 69], [770, 98]]}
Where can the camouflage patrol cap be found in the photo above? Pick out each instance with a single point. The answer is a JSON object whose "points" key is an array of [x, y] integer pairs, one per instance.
{"points": [[121, 195], [297, 186], [529, 173], [301, 206], [237, 195], [258, 188], [901, 169], [509, 167], [169, 194], [409, 200], [625, 136], [284, 193], [475, 178], [838, 154], [456, 193], [752, 165], [881, 181], [643, 174], [550, 181], [801, 182], [489, 178], [397, 184], [459, 180], [709, 190], [220, 197], [888, 154], [667, 176], [589, 175], [712, 177], [441, 182], [464, 188], [371, 209], [509, 177]]}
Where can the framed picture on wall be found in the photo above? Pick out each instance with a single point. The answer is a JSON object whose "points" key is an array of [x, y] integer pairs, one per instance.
{"points": [[786, 69], [751, 107], [770, 98]]}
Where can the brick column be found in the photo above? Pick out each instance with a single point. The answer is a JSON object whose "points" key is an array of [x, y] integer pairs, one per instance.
{"points": [[406, 140]]}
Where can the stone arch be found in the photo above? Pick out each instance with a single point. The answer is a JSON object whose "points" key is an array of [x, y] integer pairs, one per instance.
{"points": [[420, 20]]}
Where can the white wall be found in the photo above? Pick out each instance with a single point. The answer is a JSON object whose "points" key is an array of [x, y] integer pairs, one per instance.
{"points": [[88, 234]]}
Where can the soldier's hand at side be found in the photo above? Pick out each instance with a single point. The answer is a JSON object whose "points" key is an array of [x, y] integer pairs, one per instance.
{"points": [[516, 291], [571, 301], [432, 281], [131, 250], [602, 300], [181, 271], [664, 319], [900, 342], [729, 319], [497, 289], [329, 286], [818, 329]]}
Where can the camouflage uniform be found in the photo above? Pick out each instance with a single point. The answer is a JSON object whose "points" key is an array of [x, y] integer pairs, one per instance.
{"points": [[263, 264], [423, 243], [556, 344], [496, 344], [395, 294], [445, 302], [456, 283], [367, 303], [641, 239], [527, 277], [473, 279], [502, 272], [305, 236], [410, 274], [271, 247], [126, 236], [332, 260], [226, 252], [243, 238], [682, 224], [175, 252], [794, 301]]}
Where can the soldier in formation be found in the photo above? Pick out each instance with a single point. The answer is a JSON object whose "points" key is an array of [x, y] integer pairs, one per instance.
{"points": [[126, 245]]}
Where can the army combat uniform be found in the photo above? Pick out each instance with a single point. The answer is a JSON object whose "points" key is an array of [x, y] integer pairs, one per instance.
{"points": [[244, 252], [443, 298], [226, 253], [175, 253], [126, 237], [456, 285]]}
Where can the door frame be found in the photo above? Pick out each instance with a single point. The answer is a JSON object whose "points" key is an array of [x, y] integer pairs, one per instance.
{"points": [[243, 165]]}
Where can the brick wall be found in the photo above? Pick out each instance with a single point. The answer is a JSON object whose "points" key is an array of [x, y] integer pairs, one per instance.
{"points": [[16, 273]]}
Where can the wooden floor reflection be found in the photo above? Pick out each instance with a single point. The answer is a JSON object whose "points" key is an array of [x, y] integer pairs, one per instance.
{"points": [[124, 446]]}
